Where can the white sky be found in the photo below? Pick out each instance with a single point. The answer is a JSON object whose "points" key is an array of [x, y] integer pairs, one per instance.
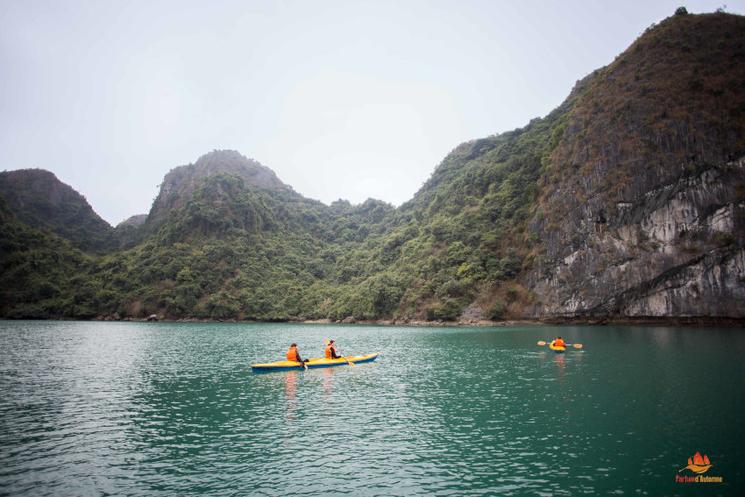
{"points": [[342, 99]]}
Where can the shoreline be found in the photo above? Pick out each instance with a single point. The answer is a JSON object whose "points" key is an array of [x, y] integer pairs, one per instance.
{"points": [[548, 321]]}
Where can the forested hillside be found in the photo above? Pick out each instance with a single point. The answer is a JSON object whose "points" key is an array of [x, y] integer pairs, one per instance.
{"points": [[40, 200], [628, 200]]}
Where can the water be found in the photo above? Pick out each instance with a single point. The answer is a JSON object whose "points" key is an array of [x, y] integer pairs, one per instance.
{"points": [[174, 409]]}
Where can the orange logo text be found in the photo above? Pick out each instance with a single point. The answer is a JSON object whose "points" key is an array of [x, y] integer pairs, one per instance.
{"points": [[698, 465]]}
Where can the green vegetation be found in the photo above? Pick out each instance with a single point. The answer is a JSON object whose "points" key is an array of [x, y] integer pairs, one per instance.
{"points": [[40, 200], [227, 240], [237, 251], [41, 275]]}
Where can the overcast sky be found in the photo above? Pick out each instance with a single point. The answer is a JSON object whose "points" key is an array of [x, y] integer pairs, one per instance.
{"points": [[342, 99]]}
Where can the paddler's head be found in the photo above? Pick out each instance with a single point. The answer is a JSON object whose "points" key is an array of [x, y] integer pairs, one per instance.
{"points": [[293, 345]]}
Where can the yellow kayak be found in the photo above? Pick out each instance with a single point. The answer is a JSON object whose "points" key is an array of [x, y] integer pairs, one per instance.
{"points": [[313, 363], [557, 349]]}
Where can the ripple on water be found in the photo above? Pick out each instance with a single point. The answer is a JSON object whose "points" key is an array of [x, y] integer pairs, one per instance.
{"points": [[148, 409]]}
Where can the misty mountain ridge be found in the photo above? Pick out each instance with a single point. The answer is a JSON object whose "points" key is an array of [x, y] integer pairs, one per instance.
{"points": [[41, 200], [627, 201]]}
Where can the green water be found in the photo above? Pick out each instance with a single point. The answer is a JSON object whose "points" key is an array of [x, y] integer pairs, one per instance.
{"points": [[174, 409]]}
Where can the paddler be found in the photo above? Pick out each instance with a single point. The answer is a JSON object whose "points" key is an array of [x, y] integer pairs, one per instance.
{"points": [[331, 350], [559, 342], [293, 354]]}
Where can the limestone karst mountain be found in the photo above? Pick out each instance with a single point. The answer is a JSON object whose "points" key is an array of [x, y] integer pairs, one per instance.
{"points": [[627, 201]]}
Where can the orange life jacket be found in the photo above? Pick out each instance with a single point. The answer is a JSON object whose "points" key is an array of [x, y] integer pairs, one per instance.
{"points": [[292, 354], [329, 348], [559, 343]]}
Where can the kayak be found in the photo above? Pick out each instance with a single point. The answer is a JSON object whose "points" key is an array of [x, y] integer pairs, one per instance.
{"points": [[313, 363], [558, 350]]}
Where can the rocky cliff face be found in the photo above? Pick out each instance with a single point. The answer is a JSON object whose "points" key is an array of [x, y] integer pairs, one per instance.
{"points": [[642, 206], [677, 251]]}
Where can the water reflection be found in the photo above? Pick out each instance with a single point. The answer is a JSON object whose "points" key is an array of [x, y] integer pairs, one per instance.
{"points": [[291, 394], [291, 385], [328, 381], [560, 361], [172, 409]]}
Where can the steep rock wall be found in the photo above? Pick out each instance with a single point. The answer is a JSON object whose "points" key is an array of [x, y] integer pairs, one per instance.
{"points": [[676, 251], [641, 204]]}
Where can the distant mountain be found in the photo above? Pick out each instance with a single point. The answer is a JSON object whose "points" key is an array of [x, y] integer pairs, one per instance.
{"points": [[130, 232], [627, 201], [42, 201], [133, 221], [180, 183]]}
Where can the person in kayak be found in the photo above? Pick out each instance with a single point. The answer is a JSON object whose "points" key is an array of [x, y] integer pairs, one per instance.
{"points": [[559, 342], [293, 354], [331, 350]]}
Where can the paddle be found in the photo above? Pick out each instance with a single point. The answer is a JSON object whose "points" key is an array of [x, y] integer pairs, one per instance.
{"points": [[541, 343], [350, 362]]}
